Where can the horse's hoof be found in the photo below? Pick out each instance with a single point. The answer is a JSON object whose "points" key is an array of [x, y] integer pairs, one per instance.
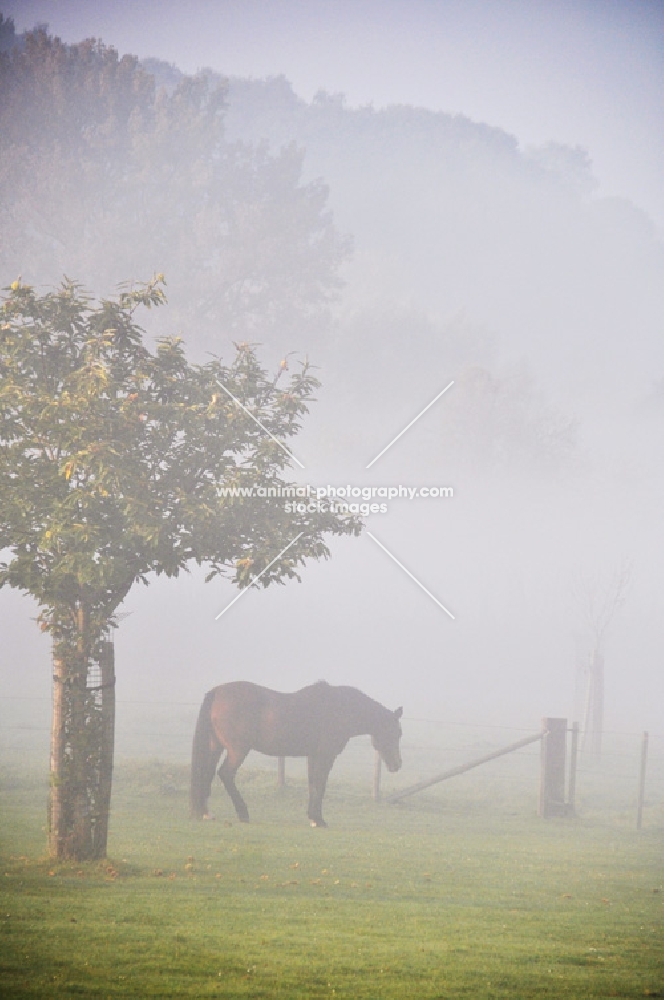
{"points": [[318, 823], [209, 816]]}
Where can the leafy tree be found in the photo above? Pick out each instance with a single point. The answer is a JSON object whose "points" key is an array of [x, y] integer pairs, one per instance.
{"points": [[103, 175], [112, 462], [7, 33]]}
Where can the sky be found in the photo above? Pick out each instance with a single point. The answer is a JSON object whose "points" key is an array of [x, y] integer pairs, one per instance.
{"points": [[580, 72]]}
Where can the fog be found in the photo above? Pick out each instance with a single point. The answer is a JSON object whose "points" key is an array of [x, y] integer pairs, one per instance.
{"points": [[492, 198]]}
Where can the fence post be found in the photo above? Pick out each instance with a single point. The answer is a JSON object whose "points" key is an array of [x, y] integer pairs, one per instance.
{"points": [[571, 788], [281, 772], [642, 780], [376, 776], [55, 826], [106, 696], [552, 768]]}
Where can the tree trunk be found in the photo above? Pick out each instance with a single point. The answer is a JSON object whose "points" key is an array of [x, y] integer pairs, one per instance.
{"points": [[594, 712], [107, 703], [56, 823], [598, 703], [82, 738]]}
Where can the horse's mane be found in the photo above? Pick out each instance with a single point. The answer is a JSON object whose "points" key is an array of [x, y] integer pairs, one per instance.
{"points": [[346, 693], [348, 689]]}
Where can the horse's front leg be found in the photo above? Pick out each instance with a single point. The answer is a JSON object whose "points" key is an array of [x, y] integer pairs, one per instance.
{"points": [[227, 773], [319, 768]]}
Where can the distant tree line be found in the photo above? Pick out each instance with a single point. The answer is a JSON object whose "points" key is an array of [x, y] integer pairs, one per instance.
{"points": [[105, 175]]}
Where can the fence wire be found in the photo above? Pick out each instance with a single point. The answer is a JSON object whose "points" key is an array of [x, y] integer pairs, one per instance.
{"points": [[163, 730]]}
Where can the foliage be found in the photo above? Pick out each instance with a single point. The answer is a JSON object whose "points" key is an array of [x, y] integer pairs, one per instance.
{"points": [[457, 223], [103, 175], [112, 456], [7, 33]]}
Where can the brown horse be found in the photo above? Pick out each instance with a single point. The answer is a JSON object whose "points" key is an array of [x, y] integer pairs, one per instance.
{"points": [[316, 723]]}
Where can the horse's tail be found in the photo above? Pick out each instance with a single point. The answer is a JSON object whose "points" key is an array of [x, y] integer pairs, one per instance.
{"points": [[204, 757]]}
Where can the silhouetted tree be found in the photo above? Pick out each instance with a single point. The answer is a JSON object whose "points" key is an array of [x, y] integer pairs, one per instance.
{"points": [[7, 33], [104, 175]]}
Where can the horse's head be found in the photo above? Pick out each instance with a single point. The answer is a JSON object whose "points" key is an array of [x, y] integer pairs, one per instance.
{"points": [[386, 740]]}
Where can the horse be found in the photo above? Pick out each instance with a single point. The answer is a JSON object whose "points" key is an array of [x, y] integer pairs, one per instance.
{"points": [[315, 722]]}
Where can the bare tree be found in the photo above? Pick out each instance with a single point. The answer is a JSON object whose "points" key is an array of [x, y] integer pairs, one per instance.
{"points": [[600, 604]]}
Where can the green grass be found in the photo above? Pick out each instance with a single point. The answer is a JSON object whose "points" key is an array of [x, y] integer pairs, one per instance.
{"points": [[460, 892]]}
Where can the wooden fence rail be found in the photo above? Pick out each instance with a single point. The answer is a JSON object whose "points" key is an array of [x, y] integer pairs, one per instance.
{"points": [[421, 785]]}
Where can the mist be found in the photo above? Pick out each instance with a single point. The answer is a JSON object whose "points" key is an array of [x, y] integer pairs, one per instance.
{"points": [[482, 222]]}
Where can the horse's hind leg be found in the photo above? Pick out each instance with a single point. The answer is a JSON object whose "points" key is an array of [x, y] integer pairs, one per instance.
{"points": [[210, 768], [227, 773]]}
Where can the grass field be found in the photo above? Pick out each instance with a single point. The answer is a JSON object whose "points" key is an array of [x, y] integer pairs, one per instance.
{"points": [[458, 892]]}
